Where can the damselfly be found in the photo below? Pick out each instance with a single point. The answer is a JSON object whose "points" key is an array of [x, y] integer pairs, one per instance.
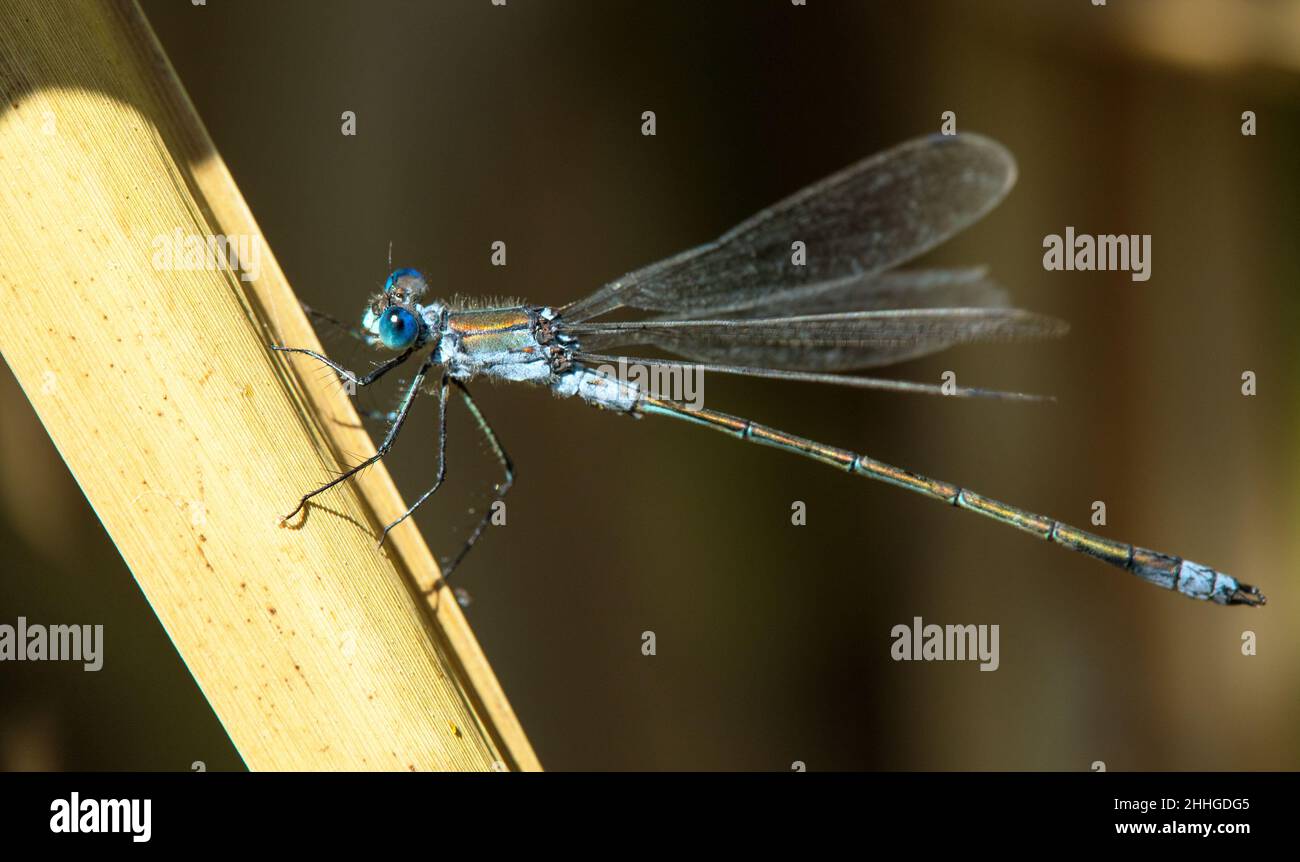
{"points": [[802, 291]]}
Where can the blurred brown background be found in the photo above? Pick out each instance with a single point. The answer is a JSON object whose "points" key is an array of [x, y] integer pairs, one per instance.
{"points": [[522, 123]]}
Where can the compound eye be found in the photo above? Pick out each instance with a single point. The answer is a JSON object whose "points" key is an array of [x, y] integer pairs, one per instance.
{"points": [[397, 328], [405, 284]]}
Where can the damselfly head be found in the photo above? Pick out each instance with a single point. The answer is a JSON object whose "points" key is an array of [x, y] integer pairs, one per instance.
{"points": [[405, 285], [392, 319]]}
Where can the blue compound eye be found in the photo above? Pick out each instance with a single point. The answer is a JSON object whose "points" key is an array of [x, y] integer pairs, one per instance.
{"points": [[397, 328], [406, 282]]}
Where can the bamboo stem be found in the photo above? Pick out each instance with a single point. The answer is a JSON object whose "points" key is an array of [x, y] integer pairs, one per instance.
{"points": [[190, 438]]}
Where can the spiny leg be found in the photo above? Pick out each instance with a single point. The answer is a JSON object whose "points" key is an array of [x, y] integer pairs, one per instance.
{"points": [[379, 372], [319, 317], [402, 411], [507, 467], [442, 459]]}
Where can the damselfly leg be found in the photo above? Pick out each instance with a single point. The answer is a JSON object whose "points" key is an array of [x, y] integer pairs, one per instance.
{"points": [[442, 459], [507, 467], [379, 371], [402, 412]]}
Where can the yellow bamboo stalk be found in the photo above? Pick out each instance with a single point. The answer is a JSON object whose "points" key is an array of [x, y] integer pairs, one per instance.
{"points": [[190, 439]]}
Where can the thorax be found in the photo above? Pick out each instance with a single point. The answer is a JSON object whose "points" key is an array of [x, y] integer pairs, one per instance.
{"points": [[498, 342], [521, 344]]}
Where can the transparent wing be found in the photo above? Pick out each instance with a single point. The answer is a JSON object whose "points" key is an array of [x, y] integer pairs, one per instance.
{"points": [[921, 288], [870, 217], [595, 360], [822, 342]]}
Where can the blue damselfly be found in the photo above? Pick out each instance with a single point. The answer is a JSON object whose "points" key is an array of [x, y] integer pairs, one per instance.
{"points": [[744, 304]]}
